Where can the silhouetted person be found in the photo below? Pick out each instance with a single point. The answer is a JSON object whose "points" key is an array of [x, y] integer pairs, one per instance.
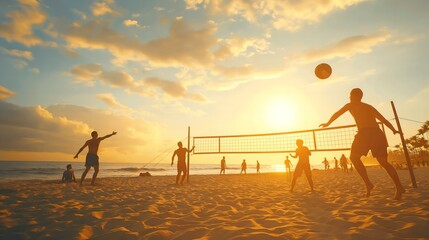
{"points": [[288, 164], [326, 162], [343, 163], [243, 166], [91, 156], [336, 163], [181, 163], [368, 137], [303, 164], [222, 165], [258, 166], [68, 175]]}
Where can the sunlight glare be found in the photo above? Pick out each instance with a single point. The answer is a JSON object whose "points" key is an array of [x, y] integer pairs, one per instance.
{"points": [[278, 167], [280, 115]]}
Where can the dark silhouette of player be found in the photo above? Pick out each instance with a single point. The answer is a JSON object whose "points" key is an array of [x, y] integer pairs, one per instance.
{"points": [[222, 165], [92, 157], [288, 164], [326, 162], [343, 163], [181, 161], [303, 164], [336, 163], [243, 166], [368, 137], [258, 166]]}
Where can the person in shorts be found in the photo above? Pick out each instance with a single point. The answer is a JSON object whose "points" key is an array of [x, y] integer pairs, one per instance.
{"points": [[91, 156], [303, 164], [368, 137], [181, 161]]}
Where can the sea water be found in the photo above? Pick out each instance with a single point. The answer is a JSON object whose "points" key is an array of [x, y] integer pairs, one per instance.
{"points": [[46, 170]]}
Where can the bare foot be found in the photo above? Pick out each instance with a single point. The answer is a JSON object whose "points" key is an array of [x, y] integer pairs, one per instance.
{"points": [[398, 193], [368, 189]]}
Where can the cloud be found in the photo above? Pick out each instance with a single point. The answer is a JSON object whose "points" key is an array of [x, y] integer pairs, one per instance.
{"points": [[36, 129], [237, 45], [64, 129], [184, 45], [20, 64], [20, 27], [173, 89], [146, 86], [18, 53], [288, 15], [5, 93], [86, 72], [110, 100], [35, 70], [346, 48], [102, 8], [130, 22], [234, 76]]}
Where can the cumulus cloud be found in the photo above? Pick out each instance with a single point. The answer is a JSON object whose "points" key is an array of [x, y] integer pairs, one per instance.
{"points": [[184, 45], [130, 22], [110, 100], [18, 53], [31, 128], [20, 26], [5, 93], [289, 15], [102, 8], [64, 129], [146, 86], [236, 46], [173, 89], [346, 48]]}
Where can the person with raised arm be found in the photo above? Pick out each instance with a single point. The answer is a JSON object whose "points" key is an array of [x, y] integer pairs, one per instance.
{"points": [[368, 137], [181, 161], [91, 156]]}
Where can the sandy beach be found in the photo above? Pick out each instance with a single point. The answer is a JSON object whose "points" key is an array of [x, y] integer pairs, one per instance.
{"points": [[217, 207]]}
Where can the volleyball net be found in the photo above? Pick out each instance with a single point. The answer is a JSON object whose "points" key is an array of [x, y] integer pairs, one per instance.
{"points": [[322, 139]]}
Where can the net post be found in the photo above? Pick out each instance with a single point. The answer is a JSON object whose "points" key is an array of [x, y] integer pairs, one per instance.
{"points": [[189, 142], [404, 146], [218, 141], [314, 140]]}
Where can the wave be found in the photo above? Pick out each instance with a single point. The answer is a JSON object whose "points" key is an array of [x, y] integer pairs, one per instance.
{"points": [[135, 169]]}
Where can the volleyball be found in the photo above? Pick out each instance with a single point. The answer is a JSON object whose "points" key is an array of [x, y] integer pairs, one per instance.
{"points": [[323, 71]]}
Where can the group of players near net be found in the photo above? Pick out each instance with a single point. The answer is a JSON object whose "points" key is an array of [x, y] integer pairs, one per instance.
{"points": [[368, 137]]}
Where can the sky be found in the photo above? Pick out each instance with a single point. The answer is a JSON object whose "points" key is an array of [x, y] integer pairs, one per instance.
{"points": [[149, 69]]}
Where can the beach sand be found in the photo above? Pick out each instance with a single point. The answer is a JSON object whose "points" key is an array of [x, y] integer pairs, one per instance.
{"points": [[217, 207]]}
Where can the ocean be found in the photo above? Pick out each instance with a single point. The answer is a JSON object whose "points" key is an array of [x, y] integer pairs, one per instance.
{"points": [[39, 170]]}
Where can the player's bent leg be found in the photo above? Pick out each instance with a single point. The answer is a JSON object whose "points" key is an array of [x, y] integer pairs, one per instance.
{"points": [[393, 175], [360, 168], [94, 176], [307, 172], [183, 178], [84, 174]]}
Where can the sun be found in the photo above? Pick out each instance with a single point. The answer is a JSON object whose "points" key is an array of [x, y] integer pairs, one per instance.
{"points": [[280, 115]]}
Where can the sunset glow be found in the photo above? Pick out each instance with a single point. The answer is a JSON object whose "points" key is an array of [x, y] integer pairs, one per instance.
{"points": [[280, 115]]}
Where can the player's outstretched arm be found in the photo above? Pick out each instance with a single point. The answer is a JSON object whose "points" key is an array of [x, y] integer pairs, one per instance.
{"points": [[192, 149], [81, 149], [385, 122], [172, 158], [335, 116], [109, 135]]}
